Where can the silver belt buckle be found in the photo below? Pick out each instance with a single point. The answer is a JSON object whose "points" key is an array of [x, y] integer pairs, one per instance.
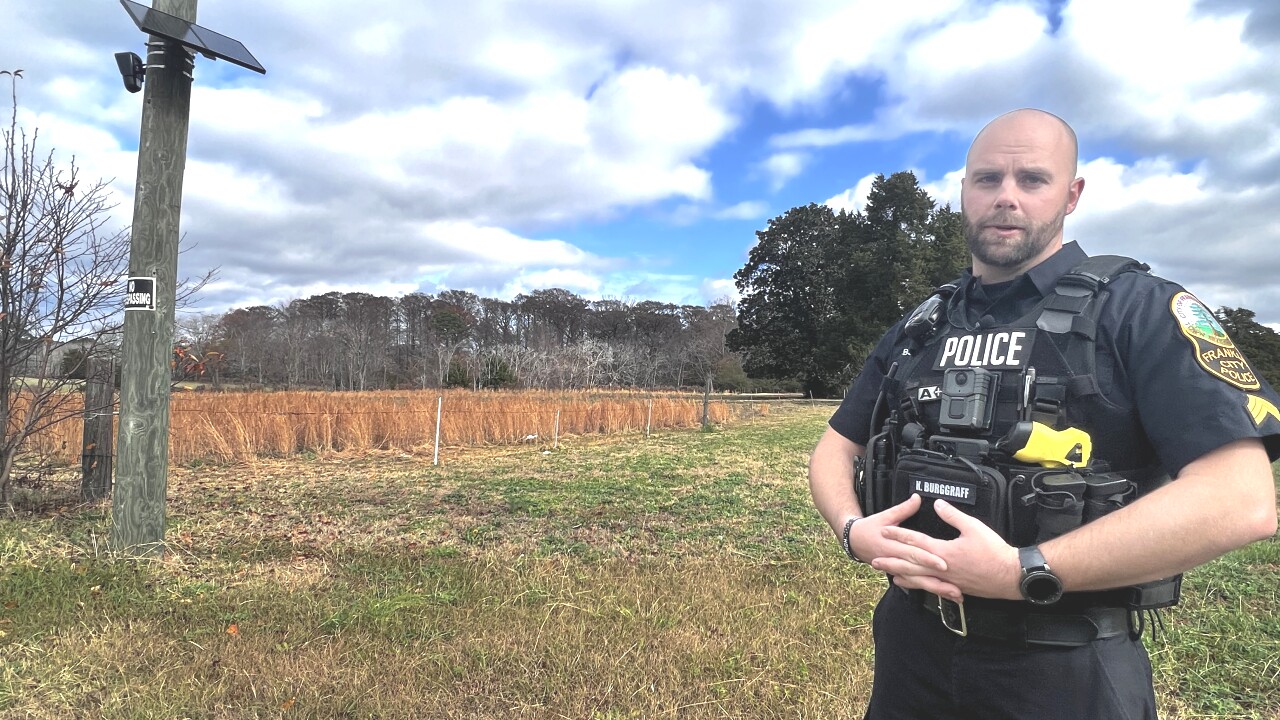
{"points": [[952, 614]]}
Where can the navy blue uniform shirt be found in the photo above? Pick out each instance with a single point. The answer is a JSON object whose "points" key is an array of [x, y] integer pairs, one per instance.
{"points": [[1160, 355]]}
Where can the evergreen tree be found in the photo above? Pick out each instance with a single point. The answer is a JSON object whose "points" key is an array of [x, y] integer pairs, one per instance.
{"points": [[820, 288], [789, 310]]}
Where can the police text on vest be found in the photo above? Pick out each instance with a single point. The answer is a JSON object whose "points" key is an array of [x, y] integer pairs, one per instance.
{"points": [[1002, 349]]}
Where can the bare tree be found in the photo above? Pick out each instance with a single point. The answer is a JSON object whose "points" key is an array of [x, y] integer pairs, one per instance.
{"points": [[60, 272], [195, 353], [252, 338], [452, 327], [705, 346]]}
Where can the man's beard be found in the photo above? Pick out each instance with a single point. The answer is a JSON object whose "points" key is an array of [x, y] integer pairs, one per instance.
{"points": [[1013, 252]]}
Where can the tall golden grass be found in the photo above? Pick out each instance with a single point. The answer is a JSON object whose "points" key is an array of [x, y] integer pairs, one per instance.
{"points": [[240, 426]]}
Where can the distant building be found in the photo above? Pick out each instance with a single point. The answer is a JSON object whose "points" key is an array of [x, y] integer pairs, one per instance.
{"points": [[50, 358]]}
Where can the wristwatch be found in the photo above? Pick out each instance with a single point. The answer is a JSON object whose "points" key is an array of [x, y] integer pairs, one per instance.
{"points": [[1039, 585]]}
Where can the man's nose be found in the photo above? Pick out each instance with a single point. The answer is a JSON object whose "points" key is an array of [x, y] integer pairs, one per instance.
{"points": [[1007, 196]]}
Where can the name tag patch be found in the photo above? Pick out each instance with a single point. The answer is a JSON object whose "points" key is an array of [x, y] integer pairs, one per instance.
{"points": [[992, 349], [949, 490]]}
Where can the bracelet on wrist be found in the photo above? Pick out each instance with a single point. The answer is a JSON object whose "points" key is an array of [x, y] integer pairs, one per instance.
{"points": [[844, 539]]}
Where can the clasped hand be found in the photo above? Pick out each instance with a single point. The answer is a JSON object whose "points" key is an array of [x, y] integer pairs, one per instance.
{"points": [[978, 562]]}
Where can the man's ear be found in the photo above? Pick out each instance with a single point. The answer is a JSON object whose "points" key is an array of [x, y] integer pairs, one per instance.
{"points": [[1073, 194]]}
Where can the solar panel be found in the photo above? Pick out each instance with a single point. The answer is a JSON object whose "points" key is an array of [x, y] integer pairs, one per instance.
{"points": [[184, 32]]}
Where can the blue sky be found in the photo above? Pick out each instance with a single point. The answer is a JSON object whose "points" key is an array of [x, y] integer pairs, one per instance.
{"points": [[631, 149]]}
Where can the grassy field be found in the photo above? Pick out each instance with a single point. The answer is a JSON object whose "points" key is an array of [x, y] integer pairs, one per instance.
{"points": [[684, 575]]}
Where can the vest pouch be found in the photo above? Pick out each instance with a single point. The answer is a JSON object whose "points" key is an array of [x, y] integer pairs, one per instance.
{"points": [[1059, 499], [974, 489], [1105, 493]]}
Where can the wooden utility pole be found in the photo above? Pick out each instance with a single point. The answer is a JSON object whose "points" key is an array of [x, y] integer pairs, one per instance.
{"points": [[142, 467], [99, 422]]}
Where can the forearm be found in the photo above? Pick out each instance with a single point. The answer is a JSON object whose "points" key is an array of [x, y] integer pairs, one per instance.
{"points": [[831, 469], [1222, 502]]}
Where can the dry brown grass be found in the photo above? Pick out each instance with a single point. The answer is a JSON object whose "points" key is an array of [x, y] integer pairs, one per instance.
{"points": [[241, 426]]}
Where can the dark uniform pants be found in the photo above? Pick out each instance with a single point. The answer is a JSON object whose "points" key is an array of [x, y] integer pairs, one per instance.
{"points": [[925, 671]]}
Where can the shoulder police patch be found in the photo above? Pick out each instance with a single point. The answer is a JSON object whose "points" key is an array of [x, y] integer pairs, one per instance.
{"points": [[1214, 350]]}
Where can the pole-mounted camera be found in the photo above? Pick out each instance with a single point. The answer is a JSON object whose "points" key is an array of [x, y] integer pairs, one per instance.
{"points": [[132, 71]]}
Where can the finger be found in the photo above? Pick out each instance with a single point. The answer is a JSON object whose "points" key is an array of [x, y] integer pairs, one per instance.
{"points": [[909, 560], [956, 518], [913, 538], [928, 583], [902, 510]]}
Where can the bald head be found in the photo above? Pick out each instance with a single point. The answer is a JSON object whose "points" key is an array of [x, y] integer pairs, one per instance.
{"points": [[1020, 182], [1032, 127]]}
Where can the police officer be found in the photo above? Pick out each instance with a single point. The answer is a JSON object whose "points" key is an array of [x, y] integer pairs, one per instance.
{"points": [[978, 623]]}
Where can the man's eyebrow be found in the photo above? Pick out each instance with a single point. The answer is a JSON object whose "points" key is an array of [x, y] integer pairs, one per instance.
{"points": [[1029, 170]]}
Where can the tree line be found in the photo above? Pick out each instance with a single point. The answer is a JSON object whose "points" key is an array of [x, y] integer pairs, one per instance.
{"points": [[549, 338]]}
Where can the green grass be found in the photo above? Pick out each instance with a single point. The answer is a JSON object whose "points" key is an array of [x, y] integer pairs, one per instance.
{"points": [[684, 575]]}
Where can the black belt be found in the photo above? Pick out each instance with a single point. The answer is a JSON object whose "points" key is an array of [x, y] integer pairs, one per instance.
{"points": [[1026, 626]]}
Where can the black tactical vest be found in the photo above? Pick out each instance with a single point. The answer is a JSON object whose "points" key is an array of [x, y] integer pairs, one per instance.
{"points": [[959, 398]]}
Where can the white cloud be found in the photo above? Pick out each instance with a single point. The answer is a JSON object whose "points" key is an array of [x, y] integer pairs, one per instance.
{"points": [[854, 199], [632, 142], [715, 289], [1006, 34], [945, 191], [500, 246], [782, 167], [223, 187], [745, 210], [821, 137], [1111, 186], [575, 281], [855, 36], [1178, 55], [241, 294]]}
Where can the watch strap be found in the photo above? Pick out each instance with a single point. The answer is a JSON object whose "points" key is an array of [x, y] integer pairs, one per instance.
{"points": [[1031, 558], [1038, 585]]}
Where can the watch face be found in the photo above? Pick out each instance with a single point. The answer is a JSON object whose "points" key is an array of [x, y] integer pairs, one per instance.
{"points": [[1041, 587]]}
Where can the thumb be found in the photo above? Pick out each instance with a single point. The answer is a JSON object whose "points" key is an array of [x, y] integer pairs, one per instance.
{"points": [[954, 517]]}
